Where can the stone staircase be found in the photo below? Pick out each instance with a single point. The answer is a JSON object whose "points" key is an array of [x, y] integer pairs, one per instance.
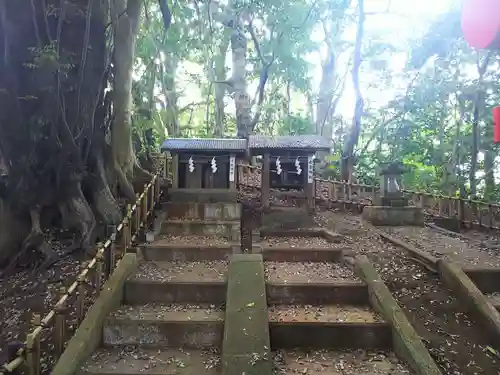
{"points": [[171, 319], [196, 305]]}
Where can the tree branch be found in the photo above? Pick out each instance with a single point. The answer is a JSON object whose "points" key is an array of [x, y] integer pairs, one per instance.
{"points": [[166, 14]]}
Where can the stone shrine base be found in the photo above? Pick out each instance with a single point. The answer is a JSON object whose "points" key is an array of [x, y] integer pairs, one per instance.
{"points": [[393, 216]]}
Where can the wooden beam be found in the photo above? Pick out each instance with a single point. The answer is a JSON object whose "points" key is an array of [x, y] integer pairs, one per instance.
{"points": [[175, 171], [309, 180], [264, 188]]}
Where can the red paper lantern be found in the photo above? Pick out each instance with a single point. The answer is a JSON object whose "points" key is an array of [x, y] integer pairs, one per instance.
{"points": [[481, 23], [496, 124]]}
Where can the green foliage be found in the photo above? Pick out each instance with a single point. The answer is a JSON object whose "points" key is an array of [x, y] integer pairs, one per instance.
{"points": [[429, 127]]}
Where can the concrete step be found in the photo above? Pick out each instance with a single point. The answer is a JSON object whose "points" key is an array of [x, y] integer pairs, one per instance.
{"points": [[182, 282], [167, 325], [330, 326], [139, 361], [343, 292], [202, 195], [167, 250], [339, 362], [203, 211], [225, 228]]}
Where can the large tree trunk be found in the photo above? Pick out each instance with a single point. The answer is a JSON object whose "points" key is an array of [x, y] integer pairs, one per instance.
{"points": [[479, 102], [352, 137], [168, 70], [325, 97], [489, 174], [239, 81], [125, 21], [219, 88], [53, 73]]}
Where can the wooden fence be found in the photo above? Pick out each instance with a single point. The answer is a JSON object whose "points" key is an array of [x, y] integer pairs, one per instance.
{"points": [[91, 279], [330, 192]]}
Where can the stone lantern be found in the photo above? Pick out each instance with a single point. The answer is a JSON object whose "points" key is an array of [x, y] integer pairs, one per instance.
{"points": [[392, 208], [391, 193]]}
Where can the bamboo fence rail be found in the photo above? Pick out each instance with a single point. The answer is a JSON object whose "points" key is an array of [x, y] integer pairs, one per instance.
{"points": [[93, 276]]}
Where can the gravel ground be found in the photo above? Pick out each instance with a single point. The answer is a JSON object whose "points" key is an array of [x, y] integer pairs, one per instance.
{"points": [[455, 342], [192, 240], [134, 360], [311, 272], [357, 362], [298, 242], [329, 313], [182, 271], [440, 245]]}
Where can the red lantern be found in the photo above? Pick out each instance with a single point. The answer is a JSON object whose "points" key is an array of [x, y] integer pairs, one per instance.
{"points": [[496, 124], [481, 23]]}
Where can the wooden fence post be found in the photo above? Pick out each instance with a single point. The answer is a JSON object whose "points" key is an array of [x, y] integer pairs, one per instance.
{"points": [[33, 347], [60, 325]]}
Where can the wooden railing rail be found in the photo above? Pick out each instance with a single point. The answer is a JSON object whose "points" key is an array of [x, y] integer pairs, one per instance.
{"points": [[94, 274], [468, 211]]}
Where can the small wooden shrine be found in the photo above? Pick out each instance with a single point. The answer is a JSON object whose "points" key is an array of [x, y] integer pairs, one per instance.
{"points": [[287, 163], [207, 163]]}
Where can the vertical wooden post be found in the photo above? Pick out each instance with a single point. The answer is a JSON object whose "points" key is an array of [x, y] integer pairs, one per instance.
{"points": [[98, 269], [145, 201], [232, 172], [60, 326], [460, 210], [165, 167], [80, 299], [137, 215], [309, 181], [152, 195], [157, 189], [112, 253], [125, 236], [109, 254], [331, 188], [264, 180], [175, 171], [33, 347], [441, 205]]}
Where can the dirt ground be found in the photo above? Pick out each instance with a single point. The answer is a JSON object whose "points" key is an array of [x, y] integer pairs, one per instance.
{"points": [[24, 293], [454, 341]]}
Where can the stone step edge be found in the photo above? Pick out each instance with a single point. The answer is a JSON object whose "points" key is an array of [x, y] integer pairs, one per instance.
{"points": [[407, 343]]}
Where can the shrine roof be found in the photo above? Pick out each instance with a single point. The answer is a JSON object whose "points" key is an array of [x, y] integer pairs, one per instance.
{"points": [[289, 142], [202, 144]]}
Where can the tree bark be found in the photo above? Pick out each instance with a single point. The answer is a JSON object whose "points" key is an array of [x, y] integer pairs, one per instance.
{"points": [[125, 21], [238, 79], [478, 108], [219, 88], [167, 73], [353, 135]]}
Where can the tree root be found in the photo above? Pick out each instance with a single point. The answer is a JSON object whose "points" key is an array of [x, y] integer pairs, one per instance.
{"points": [[124, 184], [141, 173], [34, 241], [102, 198], [77, 213]]}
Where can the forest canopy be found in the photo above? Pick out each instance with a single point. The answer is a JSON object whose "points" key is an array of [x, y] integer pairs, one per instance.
{"points": [[91, 88]]}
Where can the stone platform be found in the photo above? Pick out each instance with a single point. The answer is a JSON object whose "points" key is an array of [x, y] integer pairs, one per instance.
{"points": [[394, 215]]}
